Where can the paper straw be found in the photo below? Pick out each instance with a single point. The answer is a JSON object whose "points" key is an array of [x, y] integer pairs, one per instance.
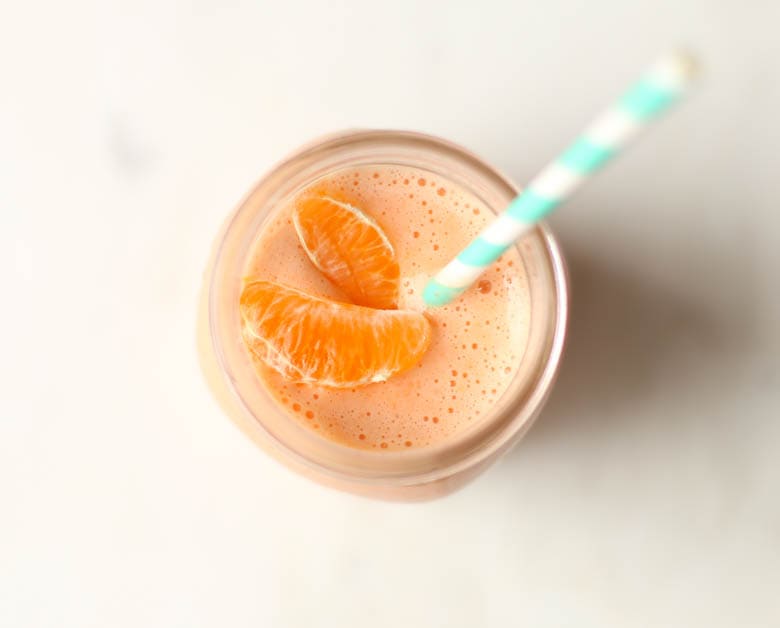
{"points": [[602, 140]]}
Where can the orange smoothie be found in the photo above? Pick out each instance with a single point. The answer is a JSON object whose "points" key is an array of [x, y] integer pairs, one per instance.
{"points": [[317, 278], [477, 342]]}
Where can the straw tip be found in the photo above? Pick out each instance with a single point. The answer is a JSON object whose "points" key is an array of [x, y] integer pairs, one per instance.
{"points": [[678, 68], [436, 294], [686, 61]]}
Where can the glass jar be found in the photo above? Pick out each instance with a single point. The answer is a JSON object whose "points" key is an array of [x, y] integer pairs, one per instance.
{"points": [[412, 475]]}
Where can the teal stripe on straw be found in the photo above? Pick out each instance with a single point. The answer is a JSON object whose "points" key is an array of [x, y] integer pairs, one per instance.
{"points": [[438, 294], [647, 99], [481, 253], [584, 156], [530, 207]]}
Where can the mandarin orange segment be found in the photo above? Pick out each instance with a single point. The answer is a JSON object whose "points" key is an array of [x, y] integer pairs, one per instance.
{"points": [[350, 249], [315, 340]]}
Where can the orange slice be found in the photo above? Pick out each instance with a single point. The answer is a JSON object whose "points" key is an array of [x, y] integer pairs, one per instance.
{"points": [[318, 341], [350, 249]]}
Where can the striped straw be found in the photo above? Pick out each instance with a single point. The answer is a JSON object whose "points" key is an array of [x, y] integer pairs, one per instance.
{"points": [[602, 140]]}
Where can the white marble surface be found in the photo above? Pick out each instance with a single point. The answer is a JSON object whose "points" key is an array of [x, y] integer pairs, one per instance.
{"points": [[647, 495]]}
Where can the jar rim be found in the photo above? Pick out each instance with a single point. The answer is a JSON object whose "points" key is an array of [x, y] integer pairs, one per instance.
{"points": [[329, 147]]}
